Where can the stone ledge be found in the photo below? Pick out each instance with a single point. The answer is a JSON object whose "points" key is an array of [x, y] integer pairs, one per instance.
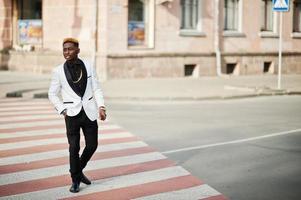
{"points": [[189, 54], [169, 98], [145, 55]]}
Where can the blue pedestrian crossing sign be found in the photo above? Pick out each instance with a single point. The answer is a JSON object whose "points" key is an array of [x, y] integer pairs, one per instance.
{"points": [[281, 5]]}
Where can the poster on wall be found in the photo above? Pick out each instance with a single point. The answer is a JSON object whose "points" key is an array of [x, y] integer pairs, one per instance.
{"points": [[136, 33], [30, 31]]}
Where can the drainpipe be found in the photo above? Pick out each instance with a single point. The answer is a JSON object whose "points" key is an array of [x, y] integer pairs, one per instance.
{"points": [[94, 32], [216, 39]]}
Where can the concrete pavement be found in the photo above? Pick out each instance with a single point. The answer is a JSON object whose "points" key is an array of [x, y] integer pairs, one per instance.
{"points": [[36, 85]]}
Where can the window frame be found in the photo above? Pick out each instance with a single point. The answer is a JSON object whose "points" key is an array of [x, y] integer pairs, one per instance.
{"points": [[264, 17], [294, 16], [198, 30], [19, 21], [149, 26], [234, 32], [274, 32]]}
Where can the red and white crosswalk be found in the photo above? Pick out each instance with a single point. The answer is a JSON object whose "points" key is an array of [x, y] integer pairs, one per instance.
{"points": [[34, 161]]}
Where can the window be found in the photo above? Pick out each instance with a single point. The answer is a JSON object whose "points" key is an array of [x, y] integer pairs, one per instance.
{"points": [[297, 16], [268, 67], [190, 14], [267, 15], [191, 70], [29, 22], [29, 9], [141, 23], [230, 68], [231, 15]]}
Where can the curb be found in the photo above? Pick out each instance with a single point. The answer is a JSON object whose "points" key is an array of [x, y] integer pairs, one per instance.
{"points": [[44, 95], [294, 92], [18, 93], [40, 96]]}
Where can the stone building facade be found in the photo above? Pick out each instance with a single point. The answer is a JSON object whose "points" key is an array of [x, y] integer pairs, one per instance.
{"points": [[152, 38]]}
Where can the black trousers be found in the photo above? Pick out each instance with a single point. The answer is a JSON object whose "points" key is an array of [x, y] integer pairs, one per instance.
{"points": [[90, 130]]}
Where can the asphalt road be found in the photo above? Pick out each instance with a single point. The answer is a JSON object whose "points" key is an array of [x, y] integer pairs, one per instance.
{"points": [[224, 142]]}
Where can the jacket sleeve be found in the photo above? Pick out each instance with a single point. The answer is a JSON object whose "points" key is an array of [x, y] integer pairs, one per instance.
{"points": [[98, 94], [54, 90]]}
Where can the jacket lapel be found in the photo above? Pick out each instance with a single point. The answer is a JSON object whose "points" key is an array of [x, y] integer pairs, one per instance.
{"points": [[85, 76], [69, 79]]}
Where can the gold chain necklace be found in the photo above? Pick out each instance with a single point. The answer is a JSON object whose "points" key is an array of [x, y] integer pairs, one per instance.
{"points": [[80, 77]]}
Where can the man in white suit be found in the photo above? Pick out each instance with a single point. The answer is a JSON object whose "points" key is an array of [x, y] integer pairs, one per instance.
{"points": [[76, 94]]}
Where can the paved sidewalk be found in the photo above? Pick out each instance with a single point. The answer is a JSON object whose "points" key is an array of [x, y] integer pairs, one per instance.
{"points": [[30, 85]]}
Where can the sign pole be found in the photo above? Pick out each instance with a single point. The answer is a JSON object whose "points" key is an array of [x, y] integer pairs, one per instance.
{"points": [[280, 6], [280, 51]]}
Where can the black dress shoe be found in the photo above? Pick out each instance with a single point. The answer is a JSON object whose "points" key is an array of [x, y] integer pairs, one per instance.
{"points": [[85, 180], [74, 187]]}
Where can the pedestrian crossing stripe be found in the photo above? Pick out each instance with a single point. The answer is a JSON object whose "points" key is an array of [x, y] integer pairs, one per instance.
{"points": [[34, 162], [281, 5]]}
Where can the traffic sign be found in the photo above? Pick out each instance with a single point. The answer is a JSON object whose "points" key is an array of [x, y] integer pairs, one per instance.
{"points": [[281, 5]]}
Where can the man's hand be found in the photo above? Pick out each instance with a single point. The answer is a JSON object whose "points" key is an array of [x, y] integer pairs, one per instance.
{"points": [[64, 113], [102, 113]]}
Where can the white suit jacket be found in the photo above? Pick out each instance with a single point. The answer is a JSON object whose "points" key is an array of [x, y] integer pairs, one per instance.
{"points": [[62, 96]]}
